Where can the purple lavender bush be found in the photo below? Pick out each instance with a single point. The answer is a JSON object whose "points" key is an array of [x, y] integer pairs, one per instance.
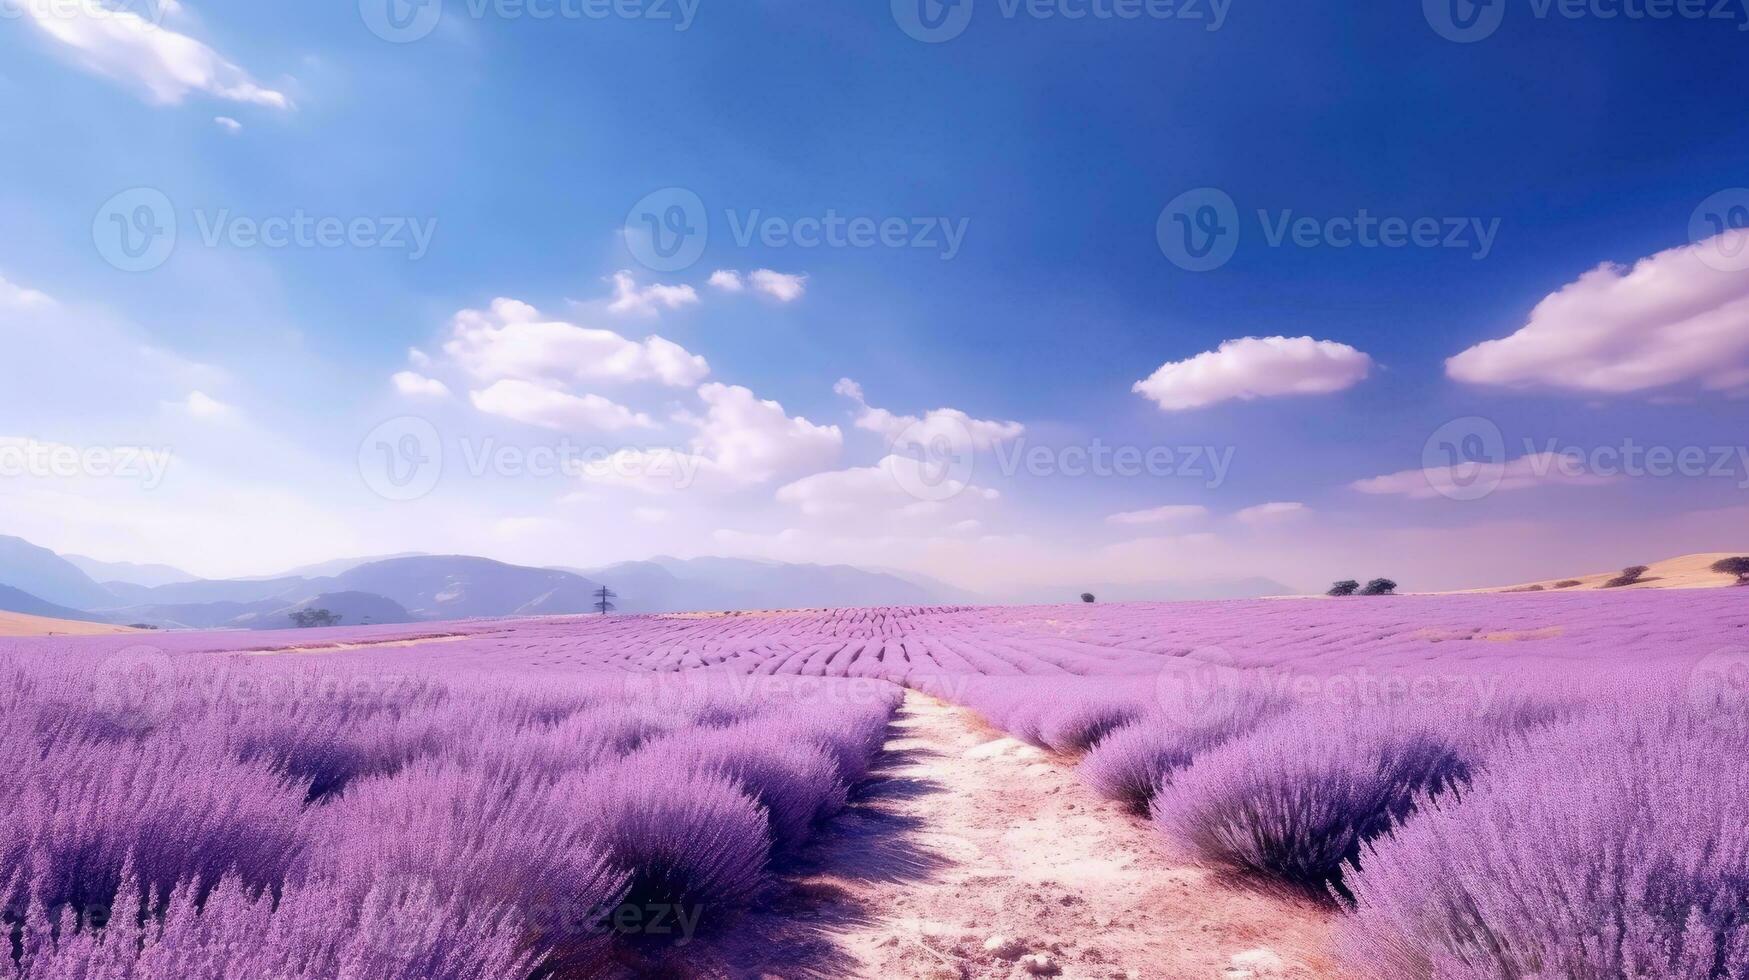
{"points": [[1294, 801], [1613, 846]]}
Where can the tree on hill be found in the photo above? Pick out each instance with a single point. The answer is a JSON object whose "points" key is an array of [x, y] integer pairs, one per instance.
{"points": [[1629, 576], [1734, 566], [1347, 586], [312, 618], [1380, 586], [1088, 597], [604, 597]]}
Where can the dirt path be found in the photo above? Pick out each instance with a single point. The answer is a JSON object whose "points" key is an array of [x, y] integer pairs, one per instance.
{"points": [[975, 853]]}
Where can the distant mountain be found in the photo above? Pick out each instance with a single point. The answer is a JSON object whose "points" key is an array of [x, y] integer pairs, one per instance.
{"points": [[212, 590], [128, 573], [49, 577], [331, 568], [17, 601], [665, 584], [353, 608], [459, 587]]}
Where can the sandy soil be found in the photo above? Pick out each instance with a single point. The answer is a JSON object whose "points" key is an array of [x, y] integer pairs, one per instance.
{"points": [[974, 852], [1687, 572], [412, 641], [18, 624]]}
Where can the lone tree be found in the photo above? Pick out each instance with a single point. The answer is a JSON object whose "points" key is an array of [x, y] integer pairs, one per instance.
{"points": [[310, 618], [1347, 586], [1380, 586], [1733, 566], [1629, 576], [1088, 597], [604, 597]]}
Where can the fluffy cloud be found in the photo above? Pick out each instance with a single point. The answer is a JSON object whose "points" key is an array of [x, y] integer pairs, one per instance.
{"points": [[416, 385], [18, 297], [1169, 514], [122, 45], [203, 406], [882, 490], [783, 287], [228, 124], [510, 340], [1671, 319], [1255, 367], [741, 441], [630, 299], [1272, 512], [1463, 480], [943, 427], [549, 408]]}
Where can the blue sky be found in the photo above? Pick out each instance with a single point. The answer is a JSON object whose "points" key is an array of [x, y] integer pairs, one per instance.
{"points": [[1565, 139]]}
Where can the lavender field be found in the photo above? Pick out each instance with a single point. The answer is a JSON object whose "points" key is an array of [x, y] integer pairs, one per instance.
{"points": [[1495, 786]]}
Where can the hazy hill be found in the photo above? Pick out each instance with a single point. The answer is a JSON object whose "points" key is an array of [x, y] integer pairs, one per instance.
{"points": [[49, 577]]}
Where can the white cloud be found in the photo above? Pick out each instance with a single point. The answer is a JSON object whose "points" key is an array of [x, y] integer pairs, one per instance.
{"points": [[1462, 480], [783, 287], [416, 385], [741, 441], [754, 441], [880, 491], [727, 280], [1255, 367], [942, 427], [1272, 512], [1671, 319], [511, 341], [228, 124], [19, 297], [203, 406], [124, 46], [1169, 514], [630, 299], [549, 408]]}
